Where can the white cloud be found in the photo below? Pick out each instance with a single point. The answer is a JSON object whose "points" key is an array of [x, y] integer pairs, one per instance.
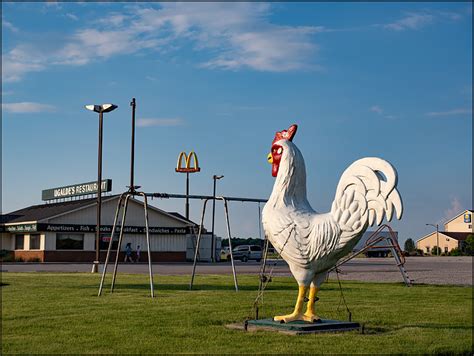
{"points": [[450, 15], [377, 109], [239, 33], [27, 107], [460, 111], [160, 122], [8, 25], [380, 111], [232, 35], [15, 65], [412, 21], [150, 78], [52, 4], [455, 208], [418, 20], [71, 16], [276, 49]]}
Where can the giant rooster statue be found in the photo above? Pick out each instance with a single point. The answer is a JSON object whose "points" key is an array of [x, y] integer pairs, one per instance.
{"points": [[312, 243]]}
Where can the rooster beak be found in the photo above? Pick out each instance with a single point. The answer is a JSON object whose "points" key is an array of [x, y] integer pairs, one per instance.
{"points": [[270, 158]]}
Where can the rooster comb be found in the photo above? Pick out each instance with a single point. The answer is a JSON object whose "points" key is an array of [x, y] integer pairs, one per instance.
{"points": [[286, 134]]}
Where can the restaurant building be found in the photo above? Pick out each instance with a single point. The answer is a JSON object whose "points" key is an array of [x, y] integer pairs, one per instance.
{"points": [[65, 231]]}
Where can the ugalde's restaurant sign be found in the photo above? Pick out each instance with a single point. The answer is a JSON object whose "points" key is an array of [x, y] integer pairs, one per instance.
{"points": [[76, 190]]}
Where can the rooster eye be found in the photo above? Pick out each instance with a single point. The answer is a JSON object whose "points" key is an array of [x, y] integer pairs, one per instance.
{"points": [[280, 150]]}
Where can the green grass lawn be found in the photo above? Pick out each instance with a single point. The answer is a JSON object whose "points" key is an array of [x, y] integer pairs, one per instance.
{"points": [[59, 313]]}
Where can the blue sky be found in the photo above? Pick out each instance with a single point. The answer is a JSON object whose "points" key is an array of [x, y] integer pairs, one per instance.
{"points": [[392, 80]]}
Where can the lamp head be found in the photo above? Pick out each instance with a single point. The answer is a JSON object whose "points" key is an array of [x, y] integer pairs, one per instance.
{"points": [[108, 107], [101, 108]]}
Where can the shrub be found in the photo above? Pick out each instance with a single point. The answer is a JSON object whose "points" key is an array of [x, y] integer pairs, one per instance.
{"points": [[455, 252], [19, 259], [34, 259], [6, 256], [435, 251]]}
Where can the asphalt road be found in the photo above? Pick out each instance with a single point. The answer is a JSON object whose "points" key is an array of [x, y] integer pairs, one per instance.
{"points": [[427, 270]]}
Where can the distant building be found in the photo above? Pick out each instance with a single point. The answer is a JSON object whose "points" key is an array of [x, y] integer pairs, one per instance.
{"points": [[65, 232], [455, 232], [379, 249]]}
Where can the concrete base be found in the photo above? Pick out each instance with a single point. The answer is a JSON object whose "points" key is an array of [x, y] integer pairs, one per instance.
{"points": [[297, 327]]}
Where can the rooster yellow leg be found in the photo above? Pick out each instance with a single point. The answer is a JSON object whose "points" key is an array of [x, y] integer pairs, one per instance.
{"points": [[310, 315], [298, 312]]}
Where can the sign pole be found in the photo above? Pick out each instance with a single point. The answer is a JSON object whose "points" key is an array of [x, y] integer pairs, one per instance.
{"points": [[187, 169], [187, 196]]}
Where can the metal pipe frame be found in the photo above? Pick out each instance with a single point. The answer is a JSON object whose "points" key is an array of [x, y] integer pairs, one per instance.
{"points": [[395, 254], [198, 242], [119, 245], [213, 257], [202, 197], [124, 197], [226, 210], [393, 245], [230, 242], [145, 206], [117, 211]]}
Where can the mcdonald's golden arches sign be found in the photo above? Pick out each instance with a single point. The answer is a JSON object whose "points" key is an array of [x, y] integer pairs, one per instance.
{"points": [[185, 159]]}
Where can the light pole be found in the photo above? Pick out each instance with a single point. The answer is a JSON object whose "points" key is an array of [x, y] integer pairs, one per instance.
{"points": [[437, 237], [99, 109], [213, 240]]}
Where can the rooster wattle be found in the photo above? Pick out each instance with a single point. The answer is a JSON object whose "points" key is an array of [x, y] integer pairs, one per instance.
{"points": [[312, 243]]}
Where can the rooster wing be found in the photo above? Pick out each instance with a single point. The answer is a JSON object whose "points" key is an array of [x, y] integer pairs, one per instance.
{"points": [[301, 237]]}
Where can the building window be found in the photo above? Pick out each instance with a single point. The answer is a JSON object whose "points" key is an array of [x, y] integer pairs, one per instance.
{"points": [[19, 242], [69, 241], [427, 249], [105, 239], [35, 242], [445, 249]]}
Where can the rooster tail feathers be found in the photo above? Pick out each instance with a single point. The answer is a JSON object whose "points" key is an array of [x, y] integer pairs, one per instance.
{"points": [[366, 193]]}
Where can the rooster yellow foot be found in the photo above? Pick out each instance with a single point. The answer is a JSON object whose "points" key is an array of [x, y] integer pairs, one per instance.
{"points": [[289, 317], [311, 318]]}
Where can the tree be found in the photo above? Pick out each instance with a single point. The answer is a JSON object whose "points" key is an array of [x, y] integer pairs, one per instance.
{"points": [[470, 245], [435, 251], [410, 246]]}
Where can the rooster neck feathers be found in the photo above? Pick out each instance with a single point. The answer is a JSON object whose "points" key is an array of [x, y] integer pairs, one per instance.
{"points": [[289, 189]]}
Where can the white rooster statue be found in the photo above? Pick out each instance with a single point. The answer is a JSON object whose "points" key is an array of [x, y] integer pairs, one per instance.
{"points": [[312, 243]]}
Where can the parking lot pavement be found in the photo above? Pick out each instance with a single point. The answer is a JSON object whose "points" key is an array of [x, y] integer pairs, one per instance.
{"points": [[423, 270], [428, 270]]}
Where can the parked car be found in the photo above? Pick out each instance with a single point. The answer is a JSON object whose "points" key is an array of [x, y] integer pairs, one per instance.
{"points": [[247, 252]]}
